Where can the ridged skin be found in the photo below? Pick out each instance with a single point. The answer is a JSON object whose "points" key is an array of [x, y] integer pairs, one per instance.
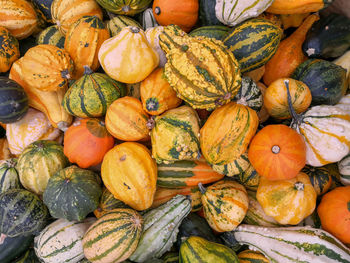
{"points": [[250, 94], [8, 175], [51, 36], [125, 7], [108, 203], [252, 256], [297, 7], [249, 178], [320, 178], [117, 23], [9, 49], [235, 167]]}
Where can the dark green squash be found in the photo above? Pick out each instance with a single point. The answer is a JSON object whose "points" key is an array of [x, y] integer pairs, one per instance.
{"points": [[249, 94], [217, 32], [43, 8], [13, 247], [9, 175], [320, 178], [170, 257], [207, 16], [51, 36], [26, 44], [326, 80], [28, 257]]}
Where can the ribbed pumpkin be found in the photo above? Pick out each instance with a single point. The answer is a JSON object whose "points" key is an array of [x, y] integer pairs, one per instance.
{"points": [[86, 142], [183, 13], [19, 17], [126, 120], [199, 69], [66, 12], [83, 41], [113, 237], [127, 170], [125, 7], [9, 49], [235, 167], [117, 23], [287, 201], [225, 204], [152, 35], [320, 178], [227, 132], [277, 152], [51, 36], [108, 203], [248, 256], [156, 94], [175, 135], [38, 162], [9, 175], [128, 57], [47, 68]]}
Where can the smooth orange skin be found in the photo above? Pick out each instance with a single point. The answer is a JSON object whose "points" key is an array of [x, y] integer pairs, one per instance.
{"points": [[295, 6], [284, 165], [334, 212]]}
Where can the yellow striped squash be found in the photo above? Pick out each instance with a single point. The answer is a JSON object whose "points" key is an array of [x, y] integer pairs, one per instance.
{"points": [[252, 256], [117, 23], [235, 167], [249, 178], [124, 7]]}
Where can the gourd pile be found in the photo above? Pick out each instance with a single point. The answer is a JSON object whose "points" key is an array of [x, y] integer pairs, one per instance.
{"points": [[174, 131]]}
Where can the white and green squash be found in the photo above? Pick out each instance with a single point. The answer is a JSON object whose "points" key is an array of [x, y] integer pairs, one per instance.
{"points": [[148, 19], [249, 94], [8, 175], [344, 170]]}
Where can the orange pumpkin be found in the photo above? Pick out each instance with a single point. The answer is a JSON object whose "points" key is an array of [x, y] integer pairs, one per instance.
{"points": [[277, 152], [86, 142], [334, 212], [126, 120], [156, 94], [183, 13]]}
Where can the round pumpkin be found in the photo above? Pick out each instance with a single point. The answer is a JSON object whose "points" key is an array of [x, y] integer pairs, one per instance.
{"points": [[86, 142], [130, 174], [108, 203], [277, 152], [334, 212], [51, 36], [126, 120], [183, 13], [156, 94], [287, 201], [320, 178], [9, 175], [9, 49]]}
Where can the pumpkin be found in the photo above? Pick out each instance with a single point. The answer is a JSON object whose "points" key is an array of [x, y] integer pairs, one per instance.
{"points": [[83, 41], [86, 142], [334, 213], [297, 6], [66, 12], [175, 135], [156, 94], [130, 174], [117, 23], [9, 49], [51, 36], [108, 203], [128, 57], [225, 205], [183, 13], [125, 7], [238, 124], [47, 68], [18, 17], [320, 178], [126, 120], [344, 170], [152, 35], [9, 175], [277, 152], [235, 167], [276, 102], [288, 201]]}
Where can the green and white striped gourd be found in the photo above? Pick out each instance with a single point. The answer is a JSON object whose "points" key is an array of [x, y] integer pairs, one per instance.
{"points": [[236, 167], [232, 13], [249, 178], [161, 226], [117, 23], [8, 175], [148, 19], [344, 170], [293, 244], [61, 241], [249, 94]]}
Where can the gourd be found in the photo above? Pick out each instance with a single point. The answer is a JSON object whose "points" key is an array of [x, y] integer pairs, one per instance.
{"points": [[212, 82], [207, 16], [13, 247], [235, 167], [9, 49], [125, 7], [4, 149], [249, 178], [344, 103], [51, 36], [297, 7], [344, 170], [249, 95], [293, 20], [118, 22], [263, 114], [256, 74], [152, 35], [9, 175], [344, 61], [43, 8], [108, 203], [320, 178], [217, 32], [248, 256], [148, 20]]}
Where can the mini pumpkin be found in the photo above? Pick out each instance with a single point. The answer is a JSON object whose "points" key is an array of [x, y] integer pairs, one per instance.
{"points": [[9, 49]]}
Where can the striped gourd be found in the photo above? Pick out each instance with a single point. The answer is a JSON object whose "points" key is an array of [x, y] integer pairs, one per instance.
{"points": [[28, 257], [9, 49], [232, 13], [125, 7], [161, 226], [152, 35], [217, 32], [9, 175], [293, 244], [249, 178], [19, 17], [43, 8], [320, 178], [117, 23], [21, 213], [92, 94], [235, 167], [253, 43], [208, 76], [170, 257], [186, 173], [252, 256], [51, 36], [61, 241], [107, 203], [344, 170], [249, 94], [113, 237], [148, 19], [13, 247]]}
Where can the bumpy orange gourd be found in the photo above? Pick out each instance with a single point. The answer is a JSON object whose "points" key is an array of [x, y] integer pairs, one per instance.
{"points": [[334, 212], [277, 152], [86, 142], [130, 174], [287, 201], [9, 49]]}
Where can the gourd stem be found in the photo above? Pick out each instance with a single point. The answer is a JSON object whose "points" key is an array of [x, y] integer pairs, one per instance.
{"points": [[65, 74], [126, 8], [275, 149], [299, 186], [87, 70], [202, 188], [151, 123], [11, 163], [2, 238], [292, 112], [135, 29], [157, 10], [62, 125]]}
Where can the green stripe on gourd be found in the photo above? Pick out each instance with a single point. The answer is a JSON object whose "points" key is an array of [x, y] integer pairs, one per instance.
{"points": [[249, 94], [28, 257], [207, 15], [344, 170], [125, 7], [217, 32], [51, 36], [148, 19], [117, 23], [235, 167], [249, 178], [320, 178], [9, 175], [170, 257], [175, 174]]}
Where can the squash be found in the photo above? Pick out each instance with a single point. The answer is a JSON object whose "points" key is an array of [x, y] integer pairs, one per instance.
{"points": [[320, 178], [249, 178], [217, 32], [334, 213], [249, 95], [207, 16], [86, 142], [293, 20], [235, 167], [51, 36], [238, 125], [274, 19], [9, 175], [108, 203], [256, 74], [344, 61], [69, 187], [126, 120], [126, 171], [199, 76], [124, 7], [288, 201], [118, 22], [225, 205], [66, 12], [344, 103], [170, 257], [9, 49], [43, 9], [247, 256], [263, 113], [120, 63], [18, 17], [276, 102], [344, 170], [183, 13], [232, 13], [13, 247], [148, 20], [152, 35], [114, 236], [13, 101], [156, 94], [4, 149], [289, 54], [297, 6]]}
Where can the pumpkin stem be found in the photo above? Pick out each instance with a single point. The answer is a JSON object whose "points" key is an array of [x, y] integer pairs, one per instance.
{"points": [[87, 70], [296, 117], [11, 162], [135, 29], [62, 125], [151, 123], [126, 8], [275, 149], [299, 186], [65, 74], [157, 10], [2, 238], [202, 188]]}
